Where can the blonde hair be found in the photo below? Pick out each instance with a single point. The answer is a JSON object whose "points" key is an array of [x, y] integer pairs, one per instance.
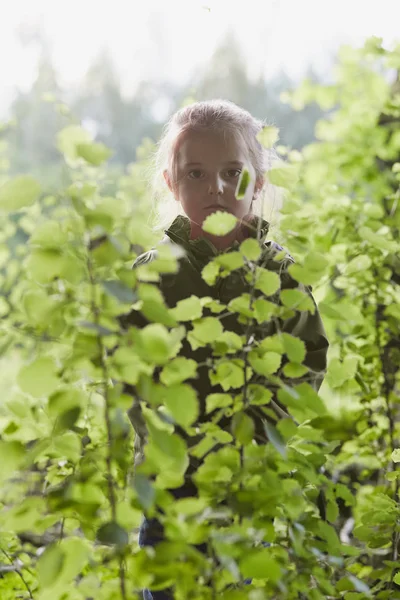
{"points": [[220, 115]]}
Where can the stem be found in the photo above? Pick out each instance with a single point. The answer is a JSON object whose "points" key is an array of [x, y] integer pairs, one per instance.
{"points": [[110, 479], [19, 573]]}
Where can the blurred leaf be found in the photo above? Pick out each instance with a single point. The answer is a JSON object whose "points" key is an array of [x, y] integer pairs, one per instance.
{"points": [[243, 428], [120, 291], [39, 378], [268, 136], [93, 153], [250, 248], [267, 281], [259, 564], [187, 309], [177, 370], [113, 534], [286, 177], [181, 401], [219, 223], [275, 438], [50, 565], [242, 185], [20, 192], [145, 490]]}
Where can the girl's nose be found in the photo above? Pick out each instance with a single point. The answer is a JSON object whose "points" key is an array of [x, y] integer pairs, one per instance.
{"points": [[216, 187]]}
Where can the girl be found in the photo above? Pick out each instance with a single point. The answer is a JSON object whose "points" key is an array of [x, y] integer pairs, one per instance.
{"points": [[204, 148]]}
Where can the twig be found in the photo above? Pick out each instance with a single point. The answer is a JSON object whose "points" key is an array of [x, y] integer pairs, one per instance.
{"points": [[15, 569], [110, 481]]}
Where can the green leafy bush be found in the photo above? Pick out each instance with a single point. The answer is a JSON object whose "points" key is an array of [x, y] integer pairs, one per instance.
{"points": [[70, 502]]}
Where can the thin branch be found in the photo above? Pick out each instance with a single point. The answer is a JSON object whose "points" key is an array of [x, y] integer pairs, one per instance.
{"points": [[16, 569], [105, 386]]}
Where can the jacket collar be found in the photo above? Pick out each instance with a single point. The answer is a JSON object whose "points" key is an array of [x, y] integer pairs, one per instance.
{"points": [[202, 248]]}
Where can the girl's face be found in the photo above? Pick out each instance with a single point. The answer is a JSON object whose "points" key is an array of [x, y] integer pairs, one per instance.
{"points": [[207, 170]]}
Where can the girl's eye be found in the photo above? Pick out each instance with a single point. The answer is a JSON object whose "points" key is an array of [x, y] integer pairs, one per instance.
{"points": [[195, 171], [236, 173]]}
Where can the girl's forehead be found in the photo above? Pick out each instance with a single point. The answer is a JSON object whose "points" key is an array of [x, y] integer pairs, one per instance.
{"points": [[192, 145]]}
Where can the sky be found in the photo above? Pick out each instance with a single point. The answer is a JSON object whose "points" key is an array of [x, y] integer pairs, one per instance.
{"points": [[169, 39]]}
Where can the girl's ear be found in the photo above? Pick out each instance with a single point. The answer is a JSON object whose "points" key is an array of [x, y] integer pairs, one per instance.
{"points": [[167, 179], [258, 186], [169, 182]]}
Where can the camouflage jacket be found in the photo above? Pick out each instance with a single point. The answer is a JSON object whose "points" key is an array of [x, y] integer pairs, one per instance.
{"points": [[188, 281]]}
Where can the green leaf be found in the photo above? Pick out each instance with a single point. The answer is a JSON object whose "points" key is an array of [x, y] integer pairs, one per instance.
{"points": [[18, 193], [275, 438], [251, 249], [120, 291], [228, 342], [229, 374], [310, 399], [332, 510], [94, 153], [179, 369], [155, 343], [358, 265], [316, 261], [11, 456], [297, 300], [204, 332], [294, 348], [68, 446], [187, 309], [210, 272], [267, 281], [69, 138], [264, 310], [395, 456], [168, 452], [268, 136], [214, 401], [294, 370], [76, 551], [381, 242], [219, 223], [65, 406], [65, 399], [341, 371], [260, 564], [113, 534], [99, 329], [44, 265], [49, 565], [229, 261], [242, 184], [49, 235], [181, 401], [145, 490], [39, 378], [286, 177], [241, 305], [303, 274], [266, 364], [243, 428]]}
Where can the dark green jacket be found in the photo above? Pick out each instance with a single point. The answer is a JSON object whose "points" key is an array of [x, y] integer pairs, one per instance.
{"points": [[188, 281]]}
